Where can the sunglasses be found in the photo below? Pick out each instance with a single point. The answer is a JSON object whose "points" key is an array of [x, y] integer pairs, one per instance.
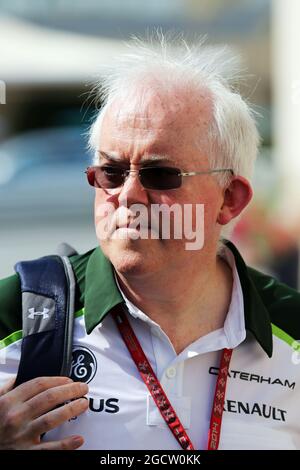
{"points": [[159, 177]]}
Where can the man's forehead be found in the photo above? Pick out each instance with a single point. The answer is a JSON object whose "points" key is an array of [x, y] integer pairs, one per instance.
{"points": [[144, 128], [158, 109], [129, 115], [162, 128]]}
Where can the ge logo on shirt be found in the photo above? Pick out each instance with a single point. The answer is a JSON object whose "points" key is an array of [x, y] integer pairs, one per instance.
{"points": [[84, 364]]}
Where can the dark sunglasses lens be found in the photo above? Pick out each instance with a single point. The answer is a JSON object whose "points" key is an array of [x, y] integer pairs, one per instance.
{"points": [[108, 177], [160, 178], [90, 173]]}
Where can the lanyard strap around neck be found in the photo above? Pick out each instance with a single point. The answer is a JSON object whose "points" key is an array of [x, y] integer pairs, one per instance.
{"points": [[161, 400], [214, 432]]}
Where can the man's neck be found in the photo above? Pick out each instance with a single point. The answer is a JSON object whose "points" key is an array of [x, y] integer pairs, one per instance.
{"points": [[186, 307]]}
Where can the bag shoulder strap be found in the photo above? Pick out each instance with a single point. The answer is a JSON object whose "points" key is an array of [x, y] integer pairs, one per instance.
{"points": [[48, 303]]}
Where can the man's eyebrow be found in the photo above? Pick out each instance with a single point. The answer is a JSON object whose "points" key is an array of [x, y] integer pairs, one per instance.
{"points": [[110, 156], [146, 160]]}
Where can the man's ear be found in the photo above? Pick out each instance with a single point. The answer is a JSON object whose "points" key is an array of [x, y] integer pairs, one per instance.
{"points": [[236, 197]]}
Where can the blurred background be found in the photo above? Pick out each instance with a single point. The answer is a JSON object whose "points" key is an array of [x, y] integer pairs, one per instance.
{"points": [[50, 52]]}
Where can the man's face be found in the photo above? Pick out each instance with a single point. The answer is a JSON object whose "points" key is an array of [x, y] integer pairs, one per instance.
{"points": [[162, 128]]}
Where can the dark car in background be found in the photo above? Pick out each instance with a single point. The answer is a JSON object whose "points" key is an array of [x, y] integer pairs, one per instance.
{"points": [[44, 196]]}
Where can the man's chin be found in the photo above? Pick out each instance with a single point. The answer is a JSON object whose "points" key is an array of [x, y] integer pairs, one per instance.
{"points": [[128, 256], [130, 263]]}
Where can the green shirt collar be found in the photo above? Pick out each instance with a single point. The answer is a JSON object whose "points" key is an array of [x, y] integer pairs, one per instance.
{"points": [[102, 294], [257, 319]]}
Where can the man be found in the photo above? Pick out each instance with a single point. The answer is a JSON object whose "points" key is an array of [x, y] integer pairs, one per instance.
{"points": [[212, 333]]}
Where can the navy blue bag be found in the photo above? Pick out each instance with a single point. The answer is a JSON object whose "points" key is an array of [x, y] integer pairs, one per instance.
{"points": [[48, 303]]}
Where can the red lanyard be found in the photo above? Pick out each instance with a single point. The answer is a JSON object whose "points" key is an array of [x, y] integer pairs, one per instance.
{"points": [[158, 394], [214, 432]]}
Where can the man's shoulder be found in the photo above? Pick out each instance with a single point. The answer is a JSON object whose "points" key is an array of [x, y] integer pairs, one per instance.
{"points": [[281, 301], [11, 296]]}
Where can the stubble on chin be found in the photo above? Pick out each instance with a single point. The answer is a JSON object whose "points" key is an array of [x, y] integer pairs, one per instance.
{"points": [[130, 257]]}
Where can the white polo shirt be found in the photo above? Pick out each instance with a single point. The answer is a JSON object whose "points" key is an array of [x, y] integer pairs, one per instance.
{"points": [[261, 406], [134, 422]]}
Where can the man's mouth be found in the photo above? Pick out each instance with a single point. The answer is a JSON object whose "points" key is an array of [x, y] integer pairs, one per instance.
{"points": [[134, 231]]}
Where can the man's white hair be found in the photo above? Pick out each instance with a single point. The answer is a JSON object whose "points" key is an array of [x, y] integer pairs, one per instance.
{"points": [[232, 137]]}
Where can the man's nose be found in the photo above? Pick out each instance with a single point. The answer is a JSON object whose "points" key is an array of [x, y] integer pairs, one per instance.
{"points": [[132, 190]]}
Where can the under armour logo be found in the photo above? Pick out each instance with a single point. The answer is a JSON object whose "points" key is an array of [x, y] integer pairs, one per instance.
{"points": [[33, 313]]}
